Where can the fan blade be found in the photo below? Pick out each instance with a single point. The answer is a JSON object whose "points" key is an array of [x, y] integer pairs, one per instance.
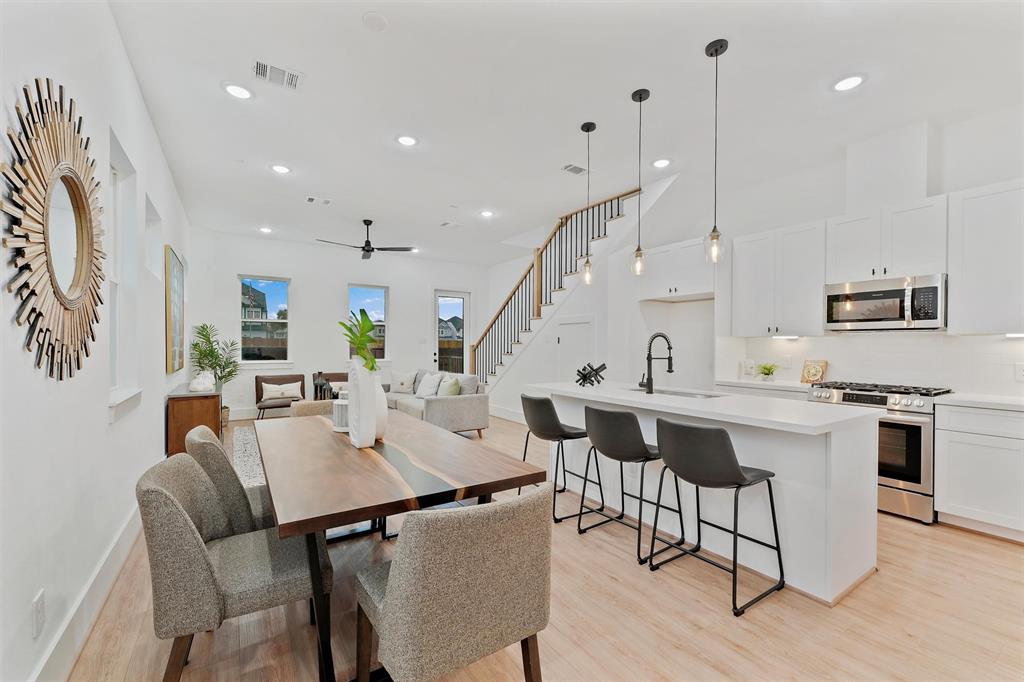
{"points": [[367, 254], [327, 241], [395, 248]]}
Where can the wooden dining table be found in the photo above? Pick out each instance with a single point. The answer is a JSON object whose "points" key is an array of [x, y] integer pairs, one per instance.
{"points": [[318, 480]]}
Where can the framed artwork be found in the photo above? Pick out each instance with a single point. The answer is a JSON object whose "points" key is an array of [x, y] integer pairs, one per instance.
{"points": [[174, 309], [814, 370]]}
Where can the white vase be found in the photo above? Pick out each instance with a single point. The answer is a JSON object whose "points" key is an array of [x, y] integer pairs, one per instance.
{"points": [[362, 406]]}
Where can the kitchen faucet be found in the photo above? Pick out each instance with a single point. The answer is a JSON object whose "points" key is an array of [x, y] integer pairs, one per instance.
{"points": [[647, 382]]}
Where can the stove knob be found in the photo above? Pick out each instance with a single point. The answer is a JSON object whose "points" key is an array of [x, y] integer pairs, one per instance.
{"points": [[817, 394], [827, 394], [906, 401], [894, 401], [919, 402]]}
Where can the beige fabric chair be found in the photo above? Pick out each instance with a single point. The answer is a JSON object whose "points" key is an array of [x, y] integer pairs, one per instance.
{"points": [[201, 573], [248, 509], [307, 408], [464, 583]]}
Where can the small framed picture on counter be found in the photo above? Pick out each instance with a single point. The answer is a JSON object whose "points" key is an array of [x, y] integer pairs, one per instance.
{"points": [[814, 370]]}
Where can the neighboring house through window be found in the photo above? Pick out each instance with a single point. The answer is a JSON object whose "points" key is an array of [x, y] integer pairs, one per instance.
{"points": [[264, 313], [374, 300]]}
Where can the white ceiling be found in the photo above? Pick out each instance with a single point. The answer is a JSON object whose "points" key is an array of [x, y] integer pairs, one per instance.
{"points": [[496, 93]]}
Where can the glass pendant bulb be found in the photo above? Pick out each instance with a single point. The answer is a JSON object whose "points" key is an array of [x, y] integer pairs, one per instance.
{"points": [[638, 262], [588, 275], [712, 245]]}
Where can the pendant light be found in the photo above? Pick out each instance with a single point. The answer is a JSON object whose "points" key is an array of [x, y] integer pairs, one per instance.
{"points": [[588, 275], [712, 247], [639, 96]]}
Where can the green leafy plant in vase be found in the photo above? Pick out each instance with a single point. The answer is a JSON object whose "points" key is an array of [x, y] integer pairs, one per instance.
{"points": [[359, 333], [766, 371], [216, 357]]}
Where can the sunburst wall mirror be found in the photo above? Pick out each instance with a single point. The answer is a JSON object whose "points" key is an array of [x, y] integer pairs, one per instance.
{"points": [[54, 230]]}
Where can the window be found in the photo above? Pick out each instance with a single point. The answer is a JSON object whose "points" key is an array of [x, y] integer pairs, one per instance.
{"points": [[374, 300], [113, 277], [264, 319]]}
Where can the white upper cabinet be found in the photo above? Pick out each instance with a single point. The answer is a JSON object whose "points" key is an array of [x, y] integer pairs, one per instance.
{"points": [[914, 238], [800, 280], [753, 274], [853, 248], [777, 281], [898, 241], [677, 272], [986, 259]]}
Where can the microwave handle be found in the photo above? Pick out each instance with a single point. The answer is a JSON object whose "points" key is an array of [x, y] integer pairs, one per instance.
{"points": [[908, 299]]}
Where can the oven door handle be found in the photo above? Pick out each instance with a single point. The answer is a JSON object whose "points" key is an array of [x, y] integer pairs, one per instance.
{"points": [[904, 419]]}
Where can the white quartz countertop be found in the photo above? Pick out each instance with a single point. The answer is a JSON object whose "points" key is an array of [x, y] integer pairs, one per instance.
{"points": [[992, 402], [770, 413]]}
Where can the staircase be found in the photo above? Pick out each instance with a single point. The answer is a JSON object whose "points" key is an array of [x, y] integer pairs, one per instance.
{"points": [[558, 257]]}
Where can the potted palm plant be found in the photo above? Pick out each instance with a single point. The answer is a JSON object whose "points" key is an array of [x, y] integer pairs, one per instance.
{"points": [[359, 331], [217, 357]]}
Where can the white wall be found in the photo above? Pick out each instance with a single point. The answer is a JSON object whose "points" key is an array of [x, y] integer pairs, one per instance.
{"points": [[68, 464], [317, 294]]}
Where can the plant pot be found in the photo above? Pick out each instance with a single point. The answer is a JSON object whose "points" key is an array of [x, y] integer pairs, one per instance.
{"points": [[767, 377], [225, 417]]}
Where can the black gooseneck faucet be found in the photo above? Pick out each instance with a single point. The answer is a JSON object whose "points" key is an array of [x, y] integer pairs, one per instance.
{"points": [[647, 383]]}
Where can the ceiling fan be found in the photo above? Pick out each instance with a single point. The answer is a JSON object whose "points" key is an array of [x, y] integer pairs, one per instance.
{"points": [[367, 248]]}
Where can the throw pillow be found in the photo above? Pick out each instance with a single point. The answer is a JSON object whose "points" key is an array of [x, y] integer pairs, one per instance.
{"points": [[277, 391], [338, 386], [428, 385], [449, 386], [403, 383], [468, 384]]}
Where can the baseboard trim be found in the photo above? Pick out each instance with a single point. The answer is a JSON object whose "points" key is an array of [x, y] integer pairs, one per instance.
{"points": [[506, 413], [982, 528], [243, 413], [61, 655]]}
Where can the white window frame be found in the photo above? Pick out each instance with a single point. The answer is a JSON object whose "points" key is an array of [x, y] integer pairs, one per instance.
{"points": [[287, 362], [387, 312]]}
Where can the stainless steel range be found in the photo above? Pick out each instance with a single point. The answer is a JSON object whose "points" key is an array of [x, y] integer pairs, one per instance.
{"points": [[906, 435]]}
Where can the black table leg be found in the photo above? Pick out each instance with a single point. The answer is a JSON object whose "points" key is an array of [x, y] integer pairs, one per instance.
{"points": [[321, 609], [483, 499]]}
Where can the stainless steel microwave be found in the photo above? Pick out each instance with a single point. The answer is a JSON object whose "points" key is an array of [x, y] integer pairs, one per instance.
{"points": [[879, 304]]}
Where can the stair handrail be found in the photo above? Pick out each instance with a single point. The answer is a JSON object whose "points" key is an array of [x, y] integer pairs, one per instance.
{"points": [[535, 265]]}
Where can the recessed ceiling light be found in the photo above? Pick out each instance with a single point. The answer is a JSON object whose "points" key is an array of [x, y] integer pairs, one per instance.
{"points": [[280, 170], [266, 230], [237, 91], [848, 83], [406, 141], [661, 163], [415, 250], [486, 214], [375, 21]]}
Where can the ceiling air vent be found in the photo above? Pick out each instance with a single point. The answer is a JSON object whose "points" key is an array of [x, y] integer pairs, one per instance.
{"points": [[449, 223], [276, 75], [318, 201], [574, 169]]}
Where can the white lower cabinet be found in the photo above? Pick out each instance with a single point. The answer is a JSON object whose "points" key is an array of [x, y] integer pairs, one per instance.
{"points": [[980, 477]]}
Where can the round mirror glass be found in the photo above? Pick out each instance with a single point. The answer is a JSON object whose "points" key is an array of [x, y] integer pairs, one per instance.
{"points": [[62, 236]]}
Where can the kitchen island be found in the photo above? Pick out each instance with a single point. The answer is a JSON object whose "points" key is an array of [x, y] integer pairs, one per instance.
{"points": [[825, 459]]}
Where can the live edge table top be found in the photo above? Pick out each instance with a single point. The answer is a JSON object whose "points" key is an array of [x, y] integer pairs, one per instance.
{"points": [[318, 480]]}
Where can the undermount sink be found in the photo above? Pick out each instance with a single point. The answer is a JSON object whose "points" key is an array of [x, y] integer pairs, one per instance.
{"points": [[681, 394]]}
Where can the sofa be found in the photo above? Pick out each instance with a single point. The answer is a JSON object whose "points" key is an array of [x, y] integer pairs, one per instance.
{"points": [[468, 411]]}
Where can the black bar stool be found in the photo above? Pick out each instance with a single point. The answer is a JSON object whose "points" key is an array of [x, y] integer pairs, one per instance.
{"points": [[543, 422], [617, 435], [704, 456]]}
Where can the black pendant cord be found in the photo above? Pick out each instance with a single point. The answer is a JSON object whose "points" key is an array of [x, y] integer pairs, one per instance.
{"points": [[714, 222], [639, 154]]}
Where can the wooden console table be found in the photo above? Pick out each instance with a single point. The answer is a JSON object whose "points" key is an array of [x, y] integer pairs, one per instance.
{"points": [[187, 410]]}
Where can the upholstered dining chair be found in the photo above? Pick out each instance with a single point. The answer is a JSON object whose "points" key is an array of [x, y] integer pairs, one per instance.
{"points": [[249, 508], [464, 583], [308, 408], [262, 405], [201, 573]]}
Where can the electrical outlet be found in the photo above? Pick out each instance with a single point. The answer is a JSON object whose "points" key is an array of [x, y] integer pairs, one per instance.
{"points": [[749, 366], [787, 361], [38, 614], [1018, 371]]}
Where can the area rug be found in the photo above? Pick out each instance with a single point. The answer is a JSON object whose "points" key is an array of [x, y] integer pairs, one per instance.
{"points": [[247, 457]]}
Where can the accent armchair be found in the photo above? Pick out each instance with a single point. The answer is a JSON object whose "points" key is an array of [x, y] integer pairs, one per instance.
{"points": [[464, 583], [262, 405], [201, 573]]}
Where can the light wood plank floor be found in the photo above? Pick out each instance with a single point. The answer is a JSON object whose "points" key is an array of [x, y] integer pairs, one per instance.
{"points": [[945, 604]]}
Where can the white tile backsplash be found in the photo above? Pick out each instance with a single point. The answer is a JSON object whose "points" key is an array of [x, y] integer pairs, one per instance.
{"points": [[975, 364]]}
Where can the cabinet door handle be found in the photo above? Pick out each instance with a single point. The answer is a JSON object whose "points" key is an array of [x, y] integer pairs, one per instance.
{"points": [[776, 330], [872, 272], [885, 271]]}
